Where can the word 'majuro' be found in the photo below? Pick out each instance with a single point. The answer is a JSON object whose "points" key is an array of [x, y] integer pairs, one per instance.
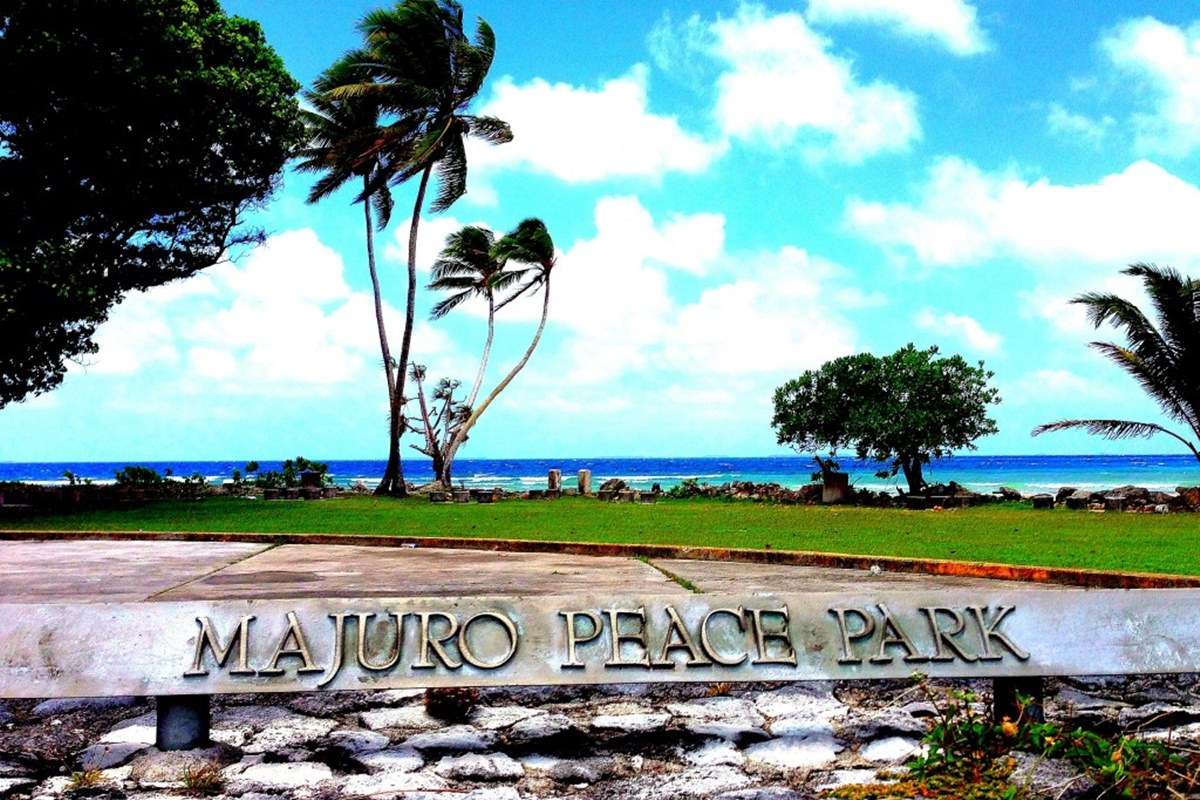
{"points": [[441, 639]]}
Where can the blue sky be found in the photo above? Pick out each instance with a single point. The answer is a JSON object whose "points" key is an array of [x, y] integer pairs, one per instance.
{"points": [[739, 192]]}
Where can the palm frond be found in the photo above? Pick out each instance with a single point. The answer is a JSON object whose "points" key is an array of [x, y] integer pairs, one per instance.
{"points": [[1113, 429], [443, 282], [492, 130], [383, 203], [1159, 384], [446, 267], [528, 243], [447, 305], [474, 62], [451, 173], [1120, 313]]}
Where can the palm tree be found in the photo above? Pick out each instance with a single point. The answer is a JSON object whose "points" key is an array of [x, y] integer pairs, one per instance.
{"points": [[529, 244], [1165, 359], [419, 66], [468, 268], [342, 137]]}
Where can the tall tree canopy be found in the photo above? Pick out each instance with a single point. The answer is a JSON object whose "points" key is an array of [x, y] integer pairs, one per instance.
{"points": [[134, 135], [1163, 358], [902, 410]]}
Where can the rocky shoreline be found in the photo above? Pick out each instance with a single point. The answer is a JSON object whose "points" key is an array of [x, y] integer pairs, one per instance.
{"points": [[734, 742], [954, 495]]}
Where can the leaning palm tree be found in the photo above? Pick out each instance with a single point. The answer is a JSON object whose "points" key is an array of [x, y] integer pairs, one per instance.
{"points": [[342, 137], [419, 67], [531, 246], [468, 268], [1164, 359]]}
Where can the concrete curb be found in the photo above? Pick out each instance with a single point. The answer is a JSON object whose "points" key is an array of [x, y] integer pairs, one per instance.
{"points": [[1100, 579]]}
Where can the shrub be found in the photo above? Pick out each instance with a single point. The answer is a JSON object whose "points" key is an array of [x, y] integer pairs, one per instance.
{"points": [[139, 477]]}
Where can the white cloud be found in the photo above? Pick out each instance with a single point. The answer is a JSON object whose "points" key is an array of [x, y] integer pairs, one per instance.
{"points": [[676, 48], [133, 337], [1042, 385], [212, 362], [952, 23], [1078, 128], [282, 319], [778, 317], [1052, 304], [1166, 59], [965, 215], [579, 134], [963, 328], [761, 314], [781, 82]]}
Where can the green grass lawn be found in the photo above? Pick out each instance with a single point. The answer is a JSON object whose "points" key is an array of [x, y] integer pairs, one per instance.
{"points": [[1013, 534]]}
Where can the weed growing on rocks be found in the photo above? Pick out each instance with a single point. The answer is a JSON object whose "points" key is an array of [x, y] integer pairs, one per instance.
{"points": [[203, 779], [970, 757]]}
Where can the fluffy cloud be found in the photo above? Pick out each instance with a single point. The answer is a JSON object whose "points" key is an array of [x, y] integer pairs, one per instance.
{"points": [[1166, 59], [951, 23], [1040, 386], [965, 215], [1052, 304], [963, 328], [783, 316], [780, 82], [282, 319], [761, 314], [579, 134], [1078, 127]]}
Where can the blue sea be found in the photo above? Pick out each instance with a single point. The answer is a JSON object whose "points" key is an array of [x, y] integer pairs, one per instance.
{"points": [[1028, 474]]}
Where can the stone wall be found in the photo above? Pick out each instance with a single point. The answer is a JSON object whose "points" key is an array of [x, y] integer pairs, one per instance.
{"points": [[735, 742]]}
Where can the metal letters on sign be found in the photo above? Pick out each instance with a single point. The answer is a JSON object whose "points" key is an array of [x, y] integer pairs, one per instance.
{"points": [[154, 648]]}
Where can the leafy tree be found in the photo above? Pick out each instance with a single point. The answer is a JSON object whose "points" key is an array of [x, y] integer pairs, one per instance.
{"points": [[134, 136], [422, 71], [1164, 359], [902, 410], [474, 264]]}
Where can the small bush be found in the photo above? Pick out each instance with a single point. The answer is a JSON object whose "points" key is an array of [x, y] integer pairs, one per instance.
{"points": [[139, 477], [203, 779], [85, 779]]}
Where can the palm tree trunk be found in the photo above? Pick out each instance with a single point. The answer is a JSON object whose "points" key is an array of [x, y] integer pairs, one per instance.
{"points": [[393, 477], [487, 348], [448, 462], [476, 413], [384, 350]]}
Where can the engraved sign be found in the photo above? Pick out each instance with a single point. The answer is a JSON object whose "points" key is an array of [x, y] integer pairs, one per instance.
{"points": [[332, 644]]}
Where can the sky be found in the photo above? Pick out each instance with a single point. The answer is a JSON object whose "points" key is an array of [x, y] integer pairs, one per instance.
{"points": [[738, 193]]}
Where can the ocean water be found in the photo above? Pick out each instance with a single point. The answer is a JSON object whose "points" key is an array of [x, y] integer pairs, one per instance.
{"points": [[1027, 474]]}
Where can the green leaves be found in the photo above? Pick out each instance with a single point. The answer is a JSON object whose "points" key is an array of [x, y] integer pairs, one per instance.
{"points": [[473, 262], [418, 72], [138, 134], [904, 409]]}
